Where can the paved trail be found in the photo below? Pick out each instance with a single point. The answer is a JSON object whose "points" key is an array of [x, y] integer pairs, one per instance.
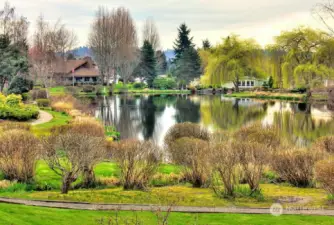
{"points": [[134, 207], [44, 117]]}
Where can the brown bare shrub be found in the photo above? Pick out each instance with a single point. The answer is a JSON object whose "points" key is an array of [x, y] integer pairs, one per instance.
{"points": [[324, 173], [6, 126], [19, 150], [194, 155], [253, 157], [190, 130], [226, 162], [296, 166], [258, 133], [324, 144], [138, 162], [63, 103], [69, 154]]}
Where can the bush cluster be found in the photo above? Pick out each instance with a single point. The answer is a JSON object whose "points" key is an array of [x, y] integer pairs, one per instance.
{"points": [[164, 83], [20, 85], [43, 102], [38, 93], [325, 175], [139, 85], [138, 162], [19, 150], [296, 166], [63, 103], [12, 108]]}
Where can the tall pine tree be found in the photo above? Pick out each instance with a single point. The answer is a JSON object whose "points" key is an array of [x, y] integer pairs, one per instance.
{"points": [[161, 62], [187, 61], [147, 66], [188, 67], [206, 45], [183, 41]]}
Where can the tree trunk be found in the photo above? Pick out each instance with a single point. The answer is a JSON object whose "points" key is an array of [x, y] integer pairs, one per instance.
{"points": [[66, 184], [89, 180], [308, 94]]}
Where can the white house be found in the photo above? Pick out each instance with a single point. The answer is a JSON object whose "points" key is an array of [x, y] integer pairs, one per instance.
{"points": [[246, 83]]}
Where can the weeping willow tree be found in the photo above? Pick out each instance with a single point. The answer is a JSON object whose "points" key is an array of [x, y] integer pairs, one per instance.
{"points": [[233, 60], [303, 62], [274, 61]]}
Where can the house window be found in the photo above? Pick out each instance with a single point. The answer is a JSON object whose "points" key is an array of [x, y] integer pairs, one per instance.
{"points": [[248, 83], [239, 83], [243, 84], [86, 78], [252, 83]]}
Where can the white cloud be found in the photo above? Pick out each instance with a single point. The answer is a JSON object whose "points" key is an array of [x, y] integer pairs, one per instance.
{"points": [[213, 19]]}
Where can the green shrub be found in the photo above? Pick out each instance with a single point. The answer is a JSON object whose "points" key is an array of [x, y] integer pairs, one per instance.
{"points": [[20, 85], [119, 85], [11, 107], [13, 100], [139, 85], [26, 96], [164, 83], [43, 102]]}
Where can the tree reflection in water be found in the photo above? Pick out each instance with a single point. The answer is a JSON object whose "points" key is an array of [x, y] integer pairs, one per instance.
{"points": [[149, 117]]}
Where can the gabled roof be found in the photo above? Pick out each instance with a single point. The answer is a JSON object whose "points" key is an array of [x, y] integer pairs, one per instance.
{"points": [[65, 67], [85, 72]]}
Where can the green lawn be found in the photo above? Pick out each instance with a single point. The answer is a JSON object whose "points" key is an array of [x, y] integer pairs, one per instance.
{"points": [[57, 90], [58, 119], [28, 215]]}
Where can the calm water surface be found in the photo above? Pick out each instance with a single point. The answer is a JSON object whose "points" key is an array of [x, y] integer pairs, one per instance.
{"points": [[150, 117]]}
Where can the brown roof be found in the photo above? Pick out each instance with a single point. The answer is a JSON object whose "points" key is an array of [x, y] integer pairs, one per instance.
{"points": [[82, 67], [85, 72]]}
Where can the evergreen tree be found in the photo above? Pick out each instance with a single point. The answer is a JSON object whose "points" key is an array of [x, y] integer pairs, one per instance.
{"points": [[183, 41], [13, 61], [206, 44], [188, 67], [161, 62], [147, 65]]}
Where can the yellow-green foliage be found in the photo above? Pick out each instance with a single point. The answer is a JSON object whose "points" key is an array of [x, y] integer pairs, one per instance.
{"points": [[11, 107]]}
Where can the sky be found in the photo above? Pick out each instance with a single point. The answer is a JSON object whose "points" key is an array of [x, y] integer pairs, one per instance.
{"points": [[211, 19]]}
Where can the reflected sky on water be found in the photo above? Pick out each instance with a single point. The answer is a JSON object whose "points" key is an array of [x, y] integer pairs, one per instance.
{"points": [[149, 117]]}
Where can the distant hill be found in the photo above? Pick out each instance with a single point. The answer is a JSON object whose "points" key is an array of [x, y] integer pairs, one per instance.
{"points": [[84, 51], [170, 54], [81, 52]]}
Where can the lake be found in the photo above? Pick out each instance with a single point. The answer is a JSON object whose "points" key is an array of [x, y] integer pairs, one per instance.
{"points": [[149, 117]]}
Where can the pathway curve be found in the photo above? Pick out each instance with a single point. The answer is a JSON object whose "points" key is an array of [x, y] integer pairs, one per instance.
{"points": [[44, 117], [186, 209]]}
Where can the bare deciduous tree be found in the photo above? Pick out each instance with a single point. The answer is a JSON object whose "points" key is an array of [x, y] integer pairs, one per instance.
{"points": [[325, 12], [113, 40], [47, 41], [151, 34]]}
